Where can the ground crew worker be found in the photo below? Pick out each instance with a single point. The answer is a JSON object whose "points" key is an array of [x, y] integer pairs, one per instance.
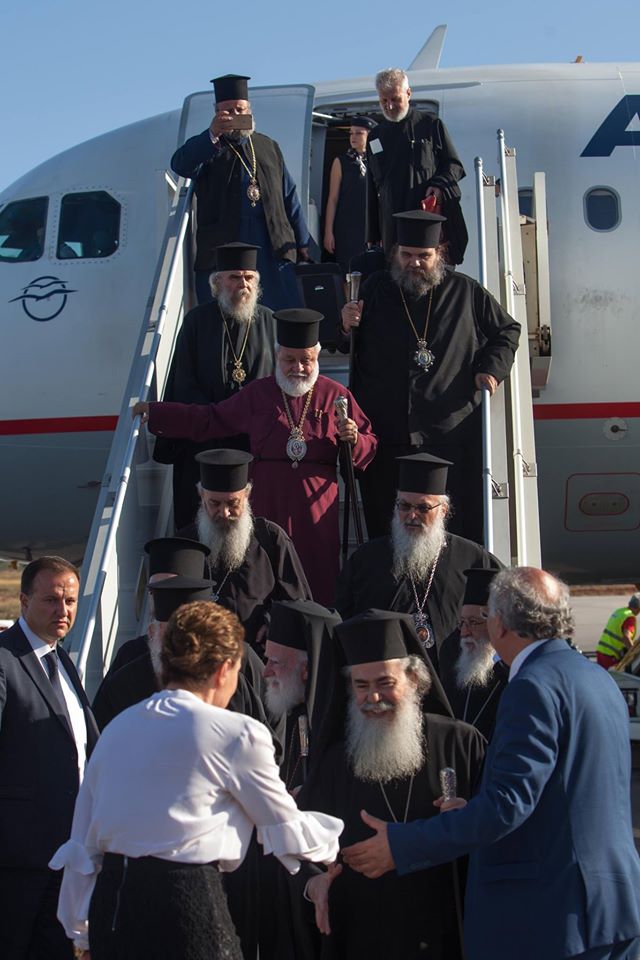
{"points": [[619, 634]]}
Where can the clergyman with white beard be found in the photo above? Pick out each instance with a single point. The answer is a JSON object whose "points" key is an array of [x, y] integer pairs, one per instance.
{"points": [[223, 345], [294, 436], [419, 568]]}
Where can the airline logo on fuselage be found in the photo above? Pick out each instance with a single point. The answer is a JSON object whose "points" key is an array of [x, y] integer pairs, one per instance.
{"points": [[44, 298], [613, 131]]}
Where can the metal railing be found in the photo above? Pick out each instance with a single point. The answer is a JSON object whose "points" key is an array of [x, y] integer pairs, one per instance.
{"points": [[103, 572]]}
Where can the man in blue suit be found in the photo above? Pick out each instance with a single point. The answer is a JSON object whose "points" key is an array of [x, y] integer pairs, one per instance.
{"points": [[553, 871]]}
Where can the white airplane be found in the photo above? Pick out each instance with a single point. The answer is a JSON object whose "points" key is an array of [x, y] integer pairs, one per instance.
{"points": [[81, 233]]}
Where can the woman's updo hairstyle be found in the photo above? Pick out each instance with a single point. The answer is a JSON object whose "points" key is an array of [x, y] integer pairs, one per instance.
{"points": [[198, 638]]}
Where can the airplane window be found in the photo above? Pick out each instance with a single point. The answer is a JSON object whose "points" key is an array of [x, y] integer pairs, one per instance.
{"points": [[22, 228], [602, 208], [525, 201], [89, 226]]}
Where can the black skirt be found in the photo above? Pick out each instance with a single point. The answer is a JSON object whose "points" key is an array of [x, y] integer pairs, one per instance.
{"points": [[151, 909]]}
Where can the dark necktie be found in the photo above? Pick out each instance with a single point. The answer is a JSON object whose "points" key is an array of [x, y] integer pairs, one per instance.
{"points": [[51, 663]]}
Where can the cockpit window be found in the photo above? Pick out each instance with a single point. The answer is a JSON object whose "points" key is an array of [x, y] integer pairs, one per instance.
{"points": [[89, 226], [22, 228]]}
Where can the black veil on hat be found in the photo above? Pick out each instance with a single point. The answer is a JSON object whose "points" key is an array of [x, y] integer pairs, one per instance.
{"points": [[169, 595], [177, 555]]}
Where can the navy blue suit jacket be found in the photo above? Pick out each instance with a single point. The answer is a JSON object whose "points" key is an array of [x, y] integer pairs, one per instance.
{"points": [[38, 756], [553, 870]]}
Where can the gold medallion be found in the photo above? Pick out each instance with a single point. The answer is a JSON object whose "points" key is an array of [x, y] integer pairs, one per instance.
{"points": [[253, 192]]}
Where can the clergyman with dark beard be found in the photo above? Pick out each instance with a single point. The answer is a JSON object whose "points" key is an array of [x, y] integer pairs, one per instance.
{"points": [[427, 339], [382, 752], [223, 345], [252, 561], [420, 568]]}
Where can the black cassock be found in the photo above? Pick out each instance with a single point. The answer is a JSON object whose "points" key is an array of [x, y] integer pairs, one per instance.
{"points": [[477, 704], [367, 581], [435, 411], [403, 160], [405, 917], [271, 571], [201, 372]]}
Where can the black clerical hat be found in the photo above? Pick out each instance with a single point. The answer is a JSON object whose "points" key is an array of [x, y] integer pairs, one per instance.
{"points": [[170, 594], [237, 256], [298, 328], [225, 471], [476, 590], [361, 121], [376, 635], [176, 555], [417, 228], [293, 621], [231, 86], [422, 473]]}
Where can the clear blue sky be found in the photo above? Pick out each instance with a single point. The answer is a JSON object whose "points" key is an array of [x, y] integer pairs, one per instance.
{"points": [[71, 69]]}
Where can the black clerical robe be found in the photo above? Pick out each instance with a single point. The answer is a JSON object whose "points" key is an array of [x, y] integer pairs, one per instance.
{"points": [[271, 571], [438, 410], [201, 372], [403, 160], [478, 704], [405, 917], [367, 580]]}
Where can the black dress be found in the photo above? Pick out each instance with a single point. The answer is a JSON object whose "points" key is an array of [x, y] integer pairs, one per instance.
{"points": [[351, 208]]}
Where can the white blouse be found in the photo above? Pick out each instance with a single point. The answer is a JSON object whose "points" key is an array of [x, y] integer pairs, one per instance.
{"points": [[175, 778]]}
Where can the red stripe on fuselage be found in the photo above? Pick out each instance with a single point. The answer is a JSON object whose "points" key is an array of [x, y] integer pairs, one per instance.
{"points": [[585, 411], [15, 428]]}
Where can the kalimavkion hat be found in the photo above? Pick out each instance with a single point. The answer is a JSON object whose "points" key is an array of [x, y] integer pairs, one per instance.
{"points": [[422, 473], [225, 471], [476, 589], [417, 228], [176, 555], [170, 594], [237, 256], [231, 86], [298, 329], [292, 621], [376, 635]]}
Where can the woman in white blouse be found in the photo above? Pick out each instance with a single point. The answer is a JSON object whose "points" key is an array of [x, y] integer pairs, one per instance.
{"points": [[171, 794]]}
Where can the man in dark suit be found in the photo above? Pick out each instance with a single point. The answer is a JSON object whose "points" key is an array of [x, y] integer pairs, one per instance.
{"points": [[549, 831], [46, 733]]}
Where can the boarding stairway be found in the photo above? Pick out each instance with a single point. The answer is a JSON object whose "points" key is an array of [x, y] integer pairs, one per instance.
{"points": [[135, 499]]}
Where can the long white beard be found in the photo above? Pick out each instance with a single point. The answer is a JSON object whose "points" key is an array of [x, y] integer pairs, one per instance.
{"points": [[296, 386], [418, 283], [385, 749], [154, 643], [228, 543], [414, 553], [284, 693], [242, 311], [475, 664]]}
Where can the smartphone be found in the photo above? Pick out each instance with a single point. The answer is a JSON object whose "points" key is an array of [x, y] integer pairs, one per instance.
{"points": [[242, 121]]}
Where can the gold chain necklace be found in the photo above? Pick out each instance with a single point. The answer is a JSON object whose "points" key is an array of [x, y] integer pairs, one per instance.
{"points": [[253, 190], [238, 374], [296, 444], [406, 806], [423, 356]]}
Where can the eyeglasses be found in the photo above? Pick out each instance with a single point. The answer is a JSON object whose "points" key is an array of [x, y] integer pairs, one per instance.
{"points": [[422, 509], [471, 622]]}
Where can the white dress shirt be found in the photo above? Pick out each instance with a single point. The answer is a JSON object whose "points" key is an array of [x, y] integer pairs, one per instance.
{"points": [[74, 708], [520, 658], [175, 778]]}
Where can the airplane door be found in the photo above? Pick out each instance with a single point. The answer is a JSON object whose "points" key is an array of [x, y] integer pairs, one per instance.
{"points": [[283, 113]]}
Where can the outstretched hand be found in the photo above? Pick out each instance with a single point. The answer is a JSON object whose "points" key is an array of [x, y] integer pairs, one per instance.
{"points": [[318, 892], [371, 857]]}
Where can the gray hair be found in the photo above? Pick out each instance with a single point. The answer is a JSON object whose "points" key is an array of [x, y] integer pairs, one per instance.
{"points": [[415, 667], [531, 603], [317, 348], [391, 77]]}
